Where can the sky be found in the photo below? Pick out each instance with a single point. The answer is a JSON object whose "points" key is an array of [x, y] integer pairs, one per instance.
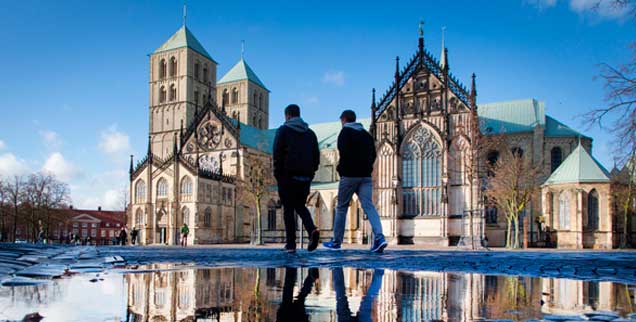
{"points": [[74, 77]]}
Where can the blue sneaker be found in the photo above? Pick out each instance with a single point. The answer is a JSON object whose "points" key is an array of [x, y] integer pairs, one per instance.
{"points": [[379, 245], [331, 245]]}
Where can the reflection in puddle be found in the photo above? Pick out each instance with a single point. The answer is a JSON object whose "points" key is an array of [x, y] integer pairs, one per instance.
{"points": [[291, 294]]}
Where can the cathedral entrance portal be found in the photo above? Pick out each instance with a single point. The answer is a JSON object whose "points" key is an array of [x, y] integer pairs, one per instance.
{"points": [[162, 235]]}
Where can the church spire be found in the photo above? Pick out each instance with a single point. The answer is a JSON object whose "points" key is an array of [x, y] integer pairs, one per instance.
{"points": [[185, 12], [473, 92], [443, 61], [130, 171], [174, 146], [149, 147], [420, 40]]}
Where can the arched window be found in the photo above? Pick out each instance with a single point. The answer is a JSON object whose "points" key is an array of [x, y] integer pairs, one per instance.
{"points": [[271, 215], [197, 66], [162, 188], [185, 215], [260, 101], [564, 211], [457, 159], [139, 217], [556, 157], [207, 217], [592, 210], [173, 92], [517, 151], [254, 120], [255, 100], [234, 96], [492, 158], [162, 94], [140, 191], [186, 188], [421, 174], [163, 67], [205, 73], [173, 66], [226, 97], [196, 97]]}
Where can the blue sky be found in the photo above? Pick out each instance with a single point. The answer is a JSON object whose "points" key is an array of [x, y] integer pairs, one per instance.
{"points": [[74, 81]]}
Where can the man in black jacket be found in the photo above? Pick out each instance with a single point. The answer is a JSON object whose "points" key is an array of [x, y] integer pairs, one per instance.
{"points": [[296, 159], [357, 155]]}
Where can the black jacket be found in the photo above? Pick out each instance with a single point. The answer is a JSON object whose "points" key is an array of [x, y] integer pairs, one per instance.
{"points": [[295, 150], [357, 151]]}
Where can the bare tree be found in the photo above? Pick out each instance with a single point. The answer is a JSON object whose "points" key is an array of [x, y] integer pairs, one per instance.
{"points": [[255, 187], [15, 189], [4, 201], [624, 194], [44, 196], [511, 186]]}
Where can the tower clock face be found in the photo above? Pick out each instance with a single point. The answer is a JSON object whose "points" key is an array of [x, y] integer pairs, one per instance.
{"points": [[209, 136]]}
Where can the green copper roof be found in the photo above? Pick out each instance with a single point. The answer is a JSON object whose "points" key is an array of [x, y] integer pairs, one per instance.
{"points": [[324, 185], [579, 167], [241, 71], [554, 128], [183, 38], [327, 133], [511, 117]]}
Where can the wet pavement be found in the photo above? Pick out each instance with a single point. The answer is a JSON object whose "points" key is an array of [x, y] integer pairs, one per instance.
{"points": [[264, 284]]}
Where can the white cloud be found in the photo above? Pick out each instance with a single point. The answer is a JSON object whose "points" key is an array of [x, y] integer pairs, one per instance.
{"points": [[114, 142], [2, 145], [10, 165], [334, 77], [603, 8], [51, 139], [64, 170], [311, 100]]}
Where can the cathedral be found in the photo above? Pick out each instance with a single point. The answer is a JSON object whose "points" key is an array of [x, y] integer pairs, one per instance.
{"points": [[205, 134]]}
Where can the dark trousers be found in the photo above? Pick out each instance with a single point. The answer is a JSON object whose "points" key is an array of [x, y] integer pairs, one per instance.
{"points": [[293, 195], [290, 309]]}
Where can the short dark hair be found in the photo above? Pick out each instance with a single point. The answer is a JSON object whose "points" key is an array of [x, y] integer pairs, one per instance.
{"points": [[292, 110], [348, 115]]}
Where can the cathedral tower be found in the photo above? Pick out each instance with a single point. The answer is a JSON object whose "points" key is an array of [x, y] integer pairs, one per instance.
{"points": [[182, 79], [244, 96]]}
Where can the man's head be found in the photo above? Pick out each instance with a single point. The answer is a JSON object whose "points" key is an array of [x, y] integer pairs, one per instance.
{"points": [[347, 116], [291, 111]]}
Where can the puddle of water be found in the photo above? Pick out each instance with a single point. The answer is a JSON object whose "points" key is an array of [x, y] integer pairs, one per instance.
{"points": [[295, 294]]}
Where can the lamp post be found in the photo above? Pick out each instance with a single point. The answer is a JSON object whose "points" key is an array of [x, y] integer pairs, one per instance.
{"points": [[396, 203]]}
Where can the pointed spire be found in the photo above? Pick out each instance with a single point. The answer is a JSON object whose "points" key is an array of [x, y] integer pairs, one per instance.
{"points": [[221, 163], [397, 68], [174, 146], [442, 60], [238, 120], [373, 106], [185, 12], [420, 40], [181, 131], [149, 147], [473, 89], [130, 171]]}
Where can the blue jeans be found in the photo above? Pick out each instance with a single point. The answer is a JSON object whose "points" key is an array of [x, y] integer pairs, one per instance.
{"points": [[343, 312], [363, 188]]}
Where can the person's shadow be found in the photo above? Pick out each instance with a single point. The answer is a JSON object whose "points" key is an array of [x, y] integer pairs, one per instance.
{"points": [[293, 310], [366, 305]]}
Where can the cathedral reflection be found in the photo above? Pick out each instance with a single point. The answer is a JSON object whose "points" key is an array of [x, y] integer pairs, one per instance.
{"points": [[346, 294]]}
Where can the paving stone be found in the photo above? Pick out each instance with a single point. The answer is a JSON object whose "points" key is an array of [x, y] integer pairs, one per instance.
{"points": [[22, 281]]}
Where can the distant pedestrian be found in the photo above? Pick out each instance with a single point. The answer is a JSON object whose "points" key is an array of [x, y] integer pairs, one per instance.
{"points": [[356, 150], [40, 236], [133, 235], [184, 235], [123, 236], [296, 160]]}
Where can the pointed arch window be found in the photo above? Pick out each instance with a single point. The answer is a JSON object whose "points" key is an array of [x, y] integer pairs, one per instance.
{"points": [[140, 191], [162, 94], [185, 216], [173, 92], [492, 158], [556, 157], [458, 158], [139, 217], [205, 73], [421, 174], [235, 96], [260, 101], [162, 188], [564, 211], [186, 188], [163, 69], [173, 66], [255, 100], [517, 151], [592, 210], [196, 97], [197, 66]]}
